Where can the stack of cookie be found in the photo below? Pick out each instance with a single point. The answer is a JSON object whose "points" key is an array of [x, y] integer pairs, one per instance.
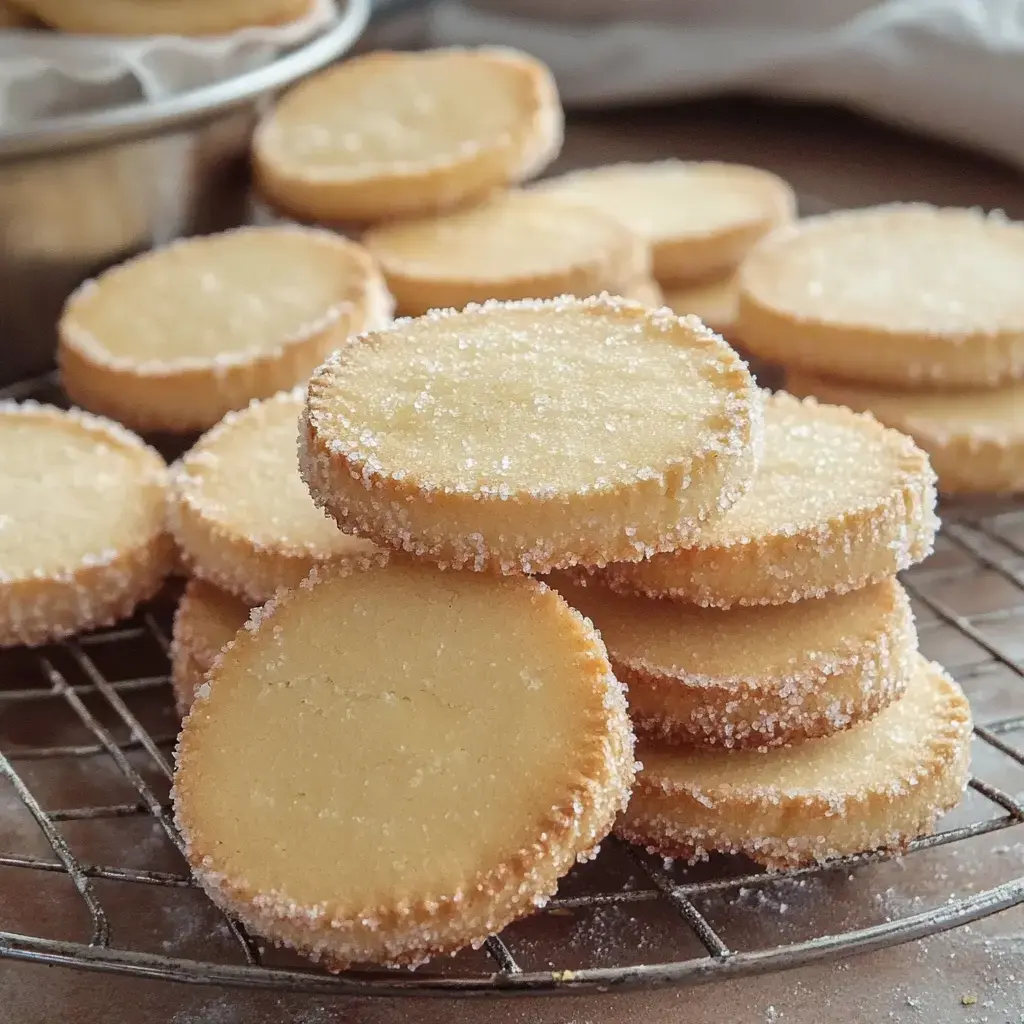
{"points": [[417, 152], [396, 758], [700, 220], [772, 661], [911, 312]]}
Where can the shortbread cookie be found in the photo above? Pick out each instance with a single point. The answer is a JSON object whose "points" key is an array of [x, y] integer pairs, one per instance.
{"points": [[975, 439], [174, 339], [716, 302], [530, 436], [903, 295], [646, 291], [397, 762], [519, 245], [407, 134], [699, 218], [239, 511], [82, 538], [754, 677], [206, 620], [149, 18], [839, 502], [876, 786]]}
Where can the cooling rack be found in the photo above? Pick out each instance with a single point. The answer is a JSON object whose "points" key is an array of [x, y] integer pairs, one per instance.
{"points": [[92, 874]]}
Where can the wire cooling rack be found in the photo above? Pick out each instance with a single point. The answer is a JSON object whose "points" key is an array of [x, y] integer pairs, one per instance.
{"points": [[92, 873]]}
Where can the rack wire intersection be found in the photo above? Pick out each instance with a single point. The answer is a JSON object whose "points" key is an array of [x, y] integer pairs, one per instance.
{"points": [[982, 546]]}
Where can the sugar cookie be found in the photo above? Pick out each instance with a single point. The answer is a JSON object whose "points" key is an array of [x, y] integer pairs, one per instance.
{"points": [[397, 762], [174, 339], [646, 291], [975, 439], [82, 538], [699, 218], [876, 786], [146, 18], [205, 621], [754, 677], [406, 134], [530, 436], [905, 295], [839, 501], [518, 245], [239, 511], [716, 302]]}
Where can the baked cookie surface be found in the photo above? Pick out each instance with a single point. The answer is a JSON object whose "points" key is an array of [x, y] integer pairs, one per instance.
{"points": [[388, 134], [754, 677], [529, 436], [699, 218], [393, 763], [838, 502], [519, 245], [205, 621], [876, 786], [176, 338], [903, 295], [82, 537], [974, 439], [239, 511], [716, 302]]}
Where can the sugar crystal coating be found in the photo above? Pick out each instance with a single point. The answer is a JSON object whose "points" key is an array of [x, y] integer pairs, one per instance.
{"points": [[82, 536], [839, 501], [532, 435], [754, 677], [878, 784]]}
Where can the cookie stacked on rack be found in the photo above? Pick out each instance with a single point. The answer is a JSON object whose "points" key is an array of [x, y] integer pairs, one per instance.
{"points": [[780, 637], [912, 312]]}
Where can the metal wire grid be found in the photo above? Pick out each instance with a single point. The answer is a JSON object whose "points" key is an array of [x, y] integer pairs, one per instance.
{"points": [[969, 530]]}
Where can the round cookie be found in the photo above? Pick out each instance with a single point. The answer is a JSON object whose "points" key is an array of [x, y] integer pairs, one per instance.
{"points": [[407, 134], [700, 219], [716, 302], [838, 502], [205, 621], [397, 762], [146, 18], [82, 538], [531, 436], [974, 439], [239, 511], [876, 786], [519, 245], [754, 677], [174, 339], [902, 295]]}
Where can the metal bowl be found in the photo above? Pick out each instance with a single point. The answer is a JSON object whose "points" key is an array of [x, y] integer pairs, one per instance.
{"points": [[80, 193]]}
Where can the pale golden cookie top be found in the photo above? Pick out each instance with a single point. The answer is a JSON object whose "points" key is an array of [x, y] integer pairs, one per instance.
{"points": [[670, 200], [221, 299], [895, 269], [821, 464], [394, 113], [470, 734], [905, 741], [243, 478], [716, 302], [517, 235], [534, 398], [75, 490], [995, 414], [761, 645], [206, 619]]}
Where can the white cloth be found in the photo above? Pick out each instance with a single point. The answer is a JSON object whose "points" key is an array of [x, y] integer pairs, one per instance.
{"points": [[953, 68], [47, 74]]}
